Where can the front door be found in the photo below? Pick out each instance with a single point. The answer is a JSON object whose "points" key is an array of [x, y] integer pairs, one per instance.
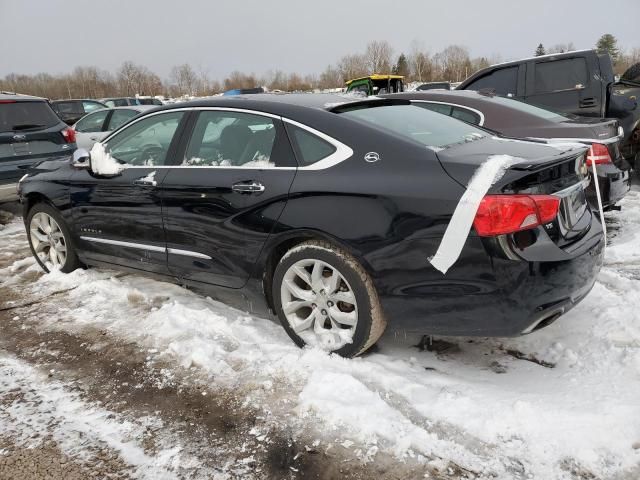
{"points": [[118, 217], [223, 200]]}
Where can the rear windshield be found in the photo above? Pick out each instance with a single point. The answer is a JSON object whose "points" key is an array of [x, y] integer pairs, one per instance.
{"points": [[432, 129], [531, 109], [18, 116]]}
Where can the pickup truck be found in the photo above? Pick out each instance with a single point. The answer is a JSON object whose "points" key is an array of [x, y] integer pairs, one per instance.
{"points": [[580, 82]]}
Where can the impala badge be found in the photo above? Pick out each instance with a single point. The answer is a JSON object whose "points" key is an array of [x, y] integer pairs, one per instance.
{"points": [[18, 137], [372, 157]]}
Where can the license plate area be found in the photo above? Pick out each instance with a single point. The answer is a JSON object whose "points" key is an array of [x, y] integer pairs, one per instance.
{"points": [[573, 205], [21, 148]]}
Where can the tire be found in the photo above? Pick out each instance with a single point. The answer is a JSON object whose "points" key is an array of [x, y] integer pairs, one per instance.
{"points": [[341, 292], [55, 231]]}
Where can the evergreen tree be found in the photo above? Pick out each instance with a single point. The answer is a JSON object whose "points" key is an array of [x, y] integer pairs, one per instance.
{"points": [[607, 43], [402, 66], [540, 50]]}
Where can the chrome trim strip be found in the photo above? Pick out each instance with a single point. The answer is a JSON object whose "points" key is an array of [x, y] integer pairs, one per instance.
{"points": [[119, 243], [604, 141], [187, 253], [478, 112]]}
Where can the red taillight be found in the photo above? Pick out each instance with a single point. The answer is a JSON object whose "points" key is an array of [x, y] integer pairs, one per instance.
{"points": [[7, 101], [69, 135], [501, 214], [598, 154]]}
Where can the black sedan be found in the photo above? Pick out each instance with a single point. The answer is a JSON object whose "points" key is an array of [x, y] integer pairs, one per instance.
{"points": [[330, 212], [513, 118]]}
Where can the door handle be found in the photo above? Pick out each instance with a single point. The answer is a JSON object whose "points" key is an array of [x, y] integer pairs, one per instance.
{"points": [[143, 182], [588, 102], [248, 187], [94, 138]]}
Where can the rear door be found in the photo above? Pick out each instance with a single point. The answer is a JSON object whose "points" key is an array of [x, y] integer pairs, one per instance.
{"points": [[223, 200], [119, 217], [563, 85], [29, 131]]}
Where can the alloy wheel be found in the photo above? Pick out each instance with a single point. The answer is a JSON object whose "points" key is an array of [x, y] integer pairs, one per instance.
{"points": [[319, 304], [48, 241]]}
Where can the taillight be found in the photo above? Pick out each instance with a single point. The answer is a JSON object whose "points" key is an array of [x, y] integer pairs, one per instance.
{"points": [[501, 214], [7, 101], [598, 154], [69, 135]]}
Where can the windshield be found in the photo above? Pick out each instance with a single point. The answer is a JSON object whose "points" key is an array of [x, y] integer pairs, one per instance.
{"points": [[16, 116], [530, 109], [432, 129]]}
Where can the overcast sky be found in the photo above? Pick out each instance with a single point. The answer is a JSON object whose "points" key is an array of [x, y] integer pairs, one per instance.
{"points": [[291, 35]]}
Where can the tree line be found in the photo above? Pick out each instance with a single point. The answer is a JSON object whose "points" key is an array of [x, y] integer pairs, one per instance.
{"points": [[454, 63]]}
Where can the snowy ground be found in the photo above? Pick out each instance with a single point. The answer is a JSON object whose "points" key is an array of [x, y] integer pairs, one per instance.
{"points": [[163, 383]]}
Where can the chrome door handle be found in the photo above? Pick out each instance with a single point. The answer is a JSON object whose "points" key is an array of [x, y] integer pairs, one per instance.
{"points": [[145, 183], [248, 187]]}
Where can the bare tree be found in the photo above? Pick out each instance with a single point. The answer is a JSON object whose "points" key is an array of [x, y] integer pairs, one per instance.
{"points": [[455, 63], [561, 48], [185, 78], [353, 66], [330, 78], [378, 56], [420, 62]]}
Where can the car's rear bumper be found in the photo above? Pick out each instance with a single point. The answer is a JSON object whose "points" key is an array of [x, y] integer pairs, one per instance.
{"points": [[614, 185], [485, 295]]}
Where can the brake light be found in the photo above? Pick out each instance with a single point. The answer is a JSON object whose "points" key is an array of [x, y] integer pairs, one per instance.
{"points": [[69, 135], [501, 214], [598, 154], [7, 101]]}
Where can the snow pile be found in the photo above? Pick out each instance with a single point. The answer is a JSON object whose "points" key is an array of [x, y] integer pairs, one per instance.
{"points": [[480, 403], [102, 163]]}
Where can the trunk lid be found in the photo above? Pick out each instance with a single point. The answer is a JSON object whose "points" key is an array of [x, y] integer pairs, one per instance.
{"points": [[558, 170]]}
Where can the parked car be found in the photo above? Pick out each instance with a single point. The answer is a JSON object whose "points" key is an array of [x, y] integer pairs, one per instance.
{"points": [[243, 91], [30, 132], [128, 101], [580, 82], [94, 127], [513, 118], [376, 84], [434, 86], [70, 111], [326, 211]]}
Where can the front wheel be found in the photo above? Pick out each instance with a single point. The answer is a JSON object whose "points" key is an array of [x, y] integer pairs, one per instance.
{"points": [[50, 239], [324, 298]]}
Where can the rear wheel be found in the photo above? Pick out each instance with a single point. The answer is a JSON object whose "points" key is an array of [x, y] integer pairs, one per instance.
{"points": [[324, 298], [50, 240]]}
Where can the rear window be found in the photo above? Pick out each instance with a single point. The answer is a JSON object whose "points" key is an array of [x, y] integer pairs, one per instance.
{"points": [[309, 147], [20, 116], [530, 109], [432, 129], [69, 107], [569, 74]]}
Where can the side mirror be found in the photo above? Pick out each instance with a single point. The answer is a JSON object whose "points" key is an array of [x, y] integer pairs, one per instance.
{"points": [[81, 159]]}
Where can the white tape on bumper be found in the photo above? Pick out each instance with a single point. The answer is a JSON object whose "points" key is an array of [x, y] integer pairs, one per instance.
{"points": [[457, 232]]}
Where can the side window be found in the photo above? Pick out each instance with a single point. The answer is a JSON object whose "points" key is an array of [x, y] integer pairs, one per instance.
{"points": [[436, 107], [145, 143], [92, 123], [231, 139], [120, 117], [110, 103], [70, 107], [502, 82], [569, 74], [466, 115], [309, 147], [91, 106]]}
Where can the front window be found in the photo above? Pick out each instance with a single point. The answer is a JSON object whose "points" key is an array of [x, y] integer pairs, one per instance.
{"points": [[432, 129], [120, 117], [231, 139], [501, 82], [146, 142], [92, 122]]}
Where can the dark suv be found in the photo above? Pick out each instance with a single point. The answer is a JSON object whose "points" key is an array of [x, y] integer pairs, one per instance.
{"points": [[70, 111], [30, 131]]}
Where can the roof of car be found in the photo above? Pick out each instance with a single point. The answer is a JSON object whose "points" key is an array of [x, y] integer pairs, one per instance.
{"points": [[449, 96], [60, 100], [321, 101], [140, 108], [19, 96]]}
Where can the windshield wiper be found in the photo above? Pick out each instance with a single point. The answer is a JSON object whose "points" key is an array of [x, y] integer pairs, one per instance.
{"points": [[27, 126]]}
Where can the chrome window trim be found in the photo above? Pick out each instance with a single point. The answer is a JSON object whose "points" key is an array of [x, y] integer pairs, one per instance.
{"points": [[142, 246], [342, 153], [477, 112]]}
